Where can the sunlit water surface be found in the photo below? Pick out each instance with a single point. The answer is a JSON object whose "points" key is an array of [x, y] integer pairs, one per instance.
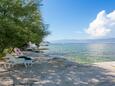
{"points": [[84, 53]]}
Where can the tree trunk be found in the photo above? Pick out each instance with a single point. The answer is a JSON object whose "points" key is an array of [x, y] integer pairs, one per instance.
{"points": [[2, 51]]}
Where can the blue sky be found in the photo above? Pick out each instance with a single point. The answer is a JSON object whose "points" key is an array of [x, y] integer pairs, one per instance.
{"points": [[69, 19]]}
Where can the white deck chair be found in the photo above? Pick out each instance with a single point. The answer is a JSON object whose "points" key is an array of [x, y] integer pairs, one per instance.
{"points": [[11, 60], [18, 53]]}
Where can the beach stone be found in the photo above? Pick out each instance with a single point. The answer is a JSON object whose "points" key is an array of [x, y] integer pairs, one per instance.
{"points": [[6, 81]]}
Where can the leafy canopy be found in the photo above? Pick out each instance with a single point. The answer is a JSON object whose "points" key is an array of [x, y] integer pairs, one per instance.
{"points": [[20, 22]]}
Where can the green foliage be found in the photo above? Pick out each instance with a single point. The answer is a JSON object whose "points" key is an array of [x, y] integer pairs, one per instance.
{"points": [[20, 22]]}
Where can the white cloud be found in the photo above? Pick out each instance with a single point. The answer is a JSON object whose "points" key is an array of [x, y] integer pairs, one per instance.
{"points": [[102, 25]]}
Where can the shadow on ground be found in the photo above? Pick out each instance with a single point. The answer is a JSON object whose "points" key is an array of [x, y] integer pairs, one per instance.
{"points": [[58, 72]]}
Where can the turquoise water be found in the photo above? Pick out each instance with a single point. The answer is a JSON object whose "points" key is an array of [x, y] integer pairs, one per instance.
{"points": [[84, 53]]}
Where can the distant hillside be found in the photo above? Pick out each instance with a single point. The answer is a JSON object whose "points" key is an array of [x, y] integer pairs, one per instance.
{"points": [[110, 40]]}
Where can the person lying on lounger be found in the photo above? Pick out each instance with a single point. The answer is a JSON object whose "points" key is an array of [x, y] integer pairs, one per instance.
{"points": [[20, 54]]}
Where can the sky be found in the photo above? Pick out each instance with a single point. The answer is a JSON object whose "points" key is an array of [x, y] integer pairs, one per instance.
{"points": [[79, 19]]}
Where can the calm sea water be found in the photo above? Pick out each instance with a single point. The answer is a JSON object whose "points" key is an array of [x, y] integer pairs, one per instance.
{"points": [[84, 53]]}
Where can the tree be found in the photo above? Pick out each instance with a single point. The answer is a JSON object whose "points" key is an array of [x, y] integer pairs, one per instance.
{"points": [[20, 22]]}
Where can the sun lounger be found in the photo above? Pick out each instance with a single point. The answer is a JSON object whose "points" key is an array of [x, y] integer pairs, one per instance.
{"points": [[11, 60]]}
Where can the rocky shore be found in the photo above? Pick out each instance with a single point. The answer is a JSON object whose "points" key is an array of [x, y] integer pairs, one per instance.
{"points": [[59, 72]]}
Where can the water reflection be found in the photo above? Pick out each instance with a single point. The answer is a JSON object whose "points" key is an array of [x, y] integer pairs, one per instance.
{"points": [[85, 52], [97, 49]]}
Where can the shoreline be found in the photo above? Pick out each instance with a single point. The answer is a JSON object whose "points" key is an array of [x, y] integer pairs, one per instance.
{"points": [[61, 72]]}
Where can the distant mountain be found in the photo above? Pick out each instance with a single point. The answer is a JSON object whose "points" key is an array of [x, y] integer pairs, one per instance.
{"points": [[109, 40]]}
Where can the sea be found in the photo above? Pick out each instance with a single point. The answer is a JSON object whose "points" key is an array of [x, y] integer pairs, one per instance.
{"points": [[84, 52]]}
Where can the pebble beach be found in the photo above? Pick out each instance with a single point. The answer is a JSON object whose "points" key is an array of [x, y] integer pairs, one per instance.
{"points": [[48, 71]]}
